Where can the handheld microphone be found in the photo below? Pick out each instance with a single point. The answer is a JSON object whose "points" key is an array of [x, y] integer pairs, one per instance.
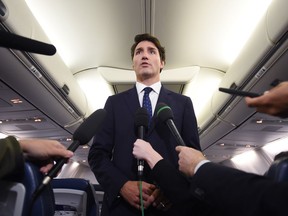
{"points": [[13, 41], [141, 123], [81, 136], [165, 114]]}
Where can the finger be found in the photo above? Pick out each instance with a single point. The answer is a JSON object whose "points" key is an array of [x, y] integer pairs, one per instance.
{"points": [[45, 169], [178, 148]]}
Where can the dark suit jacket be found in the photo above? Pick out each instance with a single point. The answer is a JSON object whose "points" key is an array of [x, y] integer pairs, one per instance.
{"points": [[222, 191], [110, 156], [238, 193], [175, 186]]}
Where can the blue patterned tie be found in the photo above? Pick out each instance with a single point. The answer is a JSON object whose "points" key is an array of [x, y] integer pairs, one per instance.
{"points": [[146, 101]]}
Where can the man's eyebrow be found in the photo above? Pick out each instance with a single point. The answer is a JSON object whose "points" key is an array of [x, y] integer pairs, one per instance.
{"points": [[152, 48], [139, 49]]}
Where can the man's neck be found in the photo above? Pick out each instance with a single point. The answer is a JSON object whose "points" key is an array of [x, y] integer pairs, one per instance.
{"points": [[150, 81]]}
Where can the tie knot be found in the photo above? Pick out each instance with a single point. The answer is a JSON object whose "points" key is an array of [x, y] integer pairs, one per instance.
{"points": [[147, 90]]}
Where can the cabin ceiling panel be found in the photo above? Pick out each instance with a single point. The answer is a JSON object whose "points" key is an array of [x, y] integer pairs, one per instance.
{"points": [[259, 130], [56, 134], [226, 149], [201, 32], [11, 101], [19, 120], [261, 122], [92, 33]]}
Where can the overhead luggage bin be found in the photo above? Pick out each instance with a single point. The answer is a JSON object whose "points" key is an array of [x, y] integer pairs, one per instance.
{"points": [[48, 72], [261, 64]]}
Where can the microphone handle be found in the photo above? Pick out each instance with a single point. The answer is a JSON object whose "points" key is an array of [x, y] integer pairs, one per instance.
{"points": [[59, 164], [55, 169], [140, 163], [175, 132]]}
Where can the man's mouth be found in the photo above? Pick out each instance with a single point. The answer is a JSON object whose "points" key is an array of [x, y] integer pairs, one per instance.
{"points": [[144, 64]]}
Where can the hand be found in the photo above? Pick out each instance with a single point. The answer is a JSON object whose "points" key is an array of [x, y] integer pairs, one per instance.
{"points": [[273, 102], [143, 150], [131, 193], [44, 152], [188, 159]]}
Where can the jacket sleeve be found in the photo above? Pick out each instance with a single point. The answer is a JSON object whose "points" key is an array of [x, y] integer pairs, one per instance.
{"points": [[11, 157], [175, 186], [239, 193], [100, 158]]}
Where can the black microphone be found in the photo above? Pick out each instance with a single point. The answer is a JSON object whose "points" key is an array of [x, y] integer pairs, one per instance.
{"points": [[141, 124], [81, 136], [165, 114], [13, 41]]}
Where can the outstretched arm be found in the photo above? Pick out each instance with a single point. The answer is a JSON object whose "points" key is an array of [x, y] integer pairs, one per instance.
{"points": [[273, 102], [44, 152]]}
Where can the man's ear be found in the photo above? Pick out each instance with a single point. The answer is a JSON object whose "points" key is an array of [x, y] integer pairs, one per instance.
{"points": [[162, 66]]}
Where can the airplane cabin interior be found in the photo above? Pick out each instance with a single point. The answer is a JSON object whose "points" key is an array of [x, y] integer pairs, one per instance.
{"points": [[210, 44]]}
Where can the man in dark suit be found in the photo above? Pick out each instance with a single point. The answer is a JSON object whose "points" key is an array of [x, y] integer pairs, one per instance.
{"points": [[110, 156]]}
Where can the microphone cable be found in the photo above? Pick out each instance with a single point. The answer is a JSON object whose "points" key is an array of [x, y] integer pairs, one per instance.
{"points": [[141, 199], [141, 125]]}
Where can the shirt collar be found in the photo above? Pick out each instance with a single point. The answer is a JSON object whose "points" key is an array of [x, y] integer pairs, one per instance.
{"points": [[156, 87]]}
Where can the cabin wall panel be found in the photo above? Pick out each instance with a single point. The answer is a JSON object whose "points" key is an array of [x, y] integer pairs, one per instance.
{"points": [[277, 20], [29, 88], [21, 21], [262, 61]]}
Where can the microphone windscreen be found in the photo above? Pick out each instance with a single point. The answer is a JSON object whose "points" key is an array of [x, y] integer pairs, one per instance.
{"points": [[141, 117], [13, 41], [89, 127], [164, 112]]}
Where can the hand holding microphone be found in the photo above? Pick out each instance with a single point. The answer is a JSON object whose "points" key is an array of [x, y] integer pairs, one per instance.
{"points": [[81, 136], [141, 124]]}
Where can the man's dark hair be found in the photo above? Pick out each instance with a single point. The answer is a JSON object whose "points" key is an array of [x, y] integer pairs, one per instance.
{"points": [[147, 37]]}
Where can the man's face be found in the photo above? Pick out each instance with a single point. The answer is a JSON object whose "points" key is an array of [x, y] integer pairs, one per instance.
{"points": [[146, 61]]}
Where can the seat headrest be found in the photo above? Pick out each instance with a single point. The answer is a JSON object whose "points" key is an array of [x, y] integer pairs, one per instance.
{"points": [[45, 203], [82, 185], [278, 170]]}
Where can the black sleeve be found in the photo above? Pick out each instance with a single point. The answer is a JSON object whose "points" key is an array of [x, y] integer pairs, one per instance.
{"points": [[174, 185], [11, 157], [239, 193]]}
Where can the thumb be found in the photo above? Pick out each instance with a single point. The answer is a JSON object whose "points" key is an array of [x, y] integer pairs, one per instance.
{"points": [[178, 148]]}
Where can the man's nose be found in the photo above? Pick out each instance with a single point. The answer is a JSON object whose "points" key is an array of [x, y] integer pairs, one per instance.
{"points": [[144, 56]]}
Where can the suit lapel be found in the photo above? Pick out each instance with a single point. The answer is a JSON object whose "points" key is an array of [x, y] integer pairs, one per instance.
{"points": [[132, 101]]}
